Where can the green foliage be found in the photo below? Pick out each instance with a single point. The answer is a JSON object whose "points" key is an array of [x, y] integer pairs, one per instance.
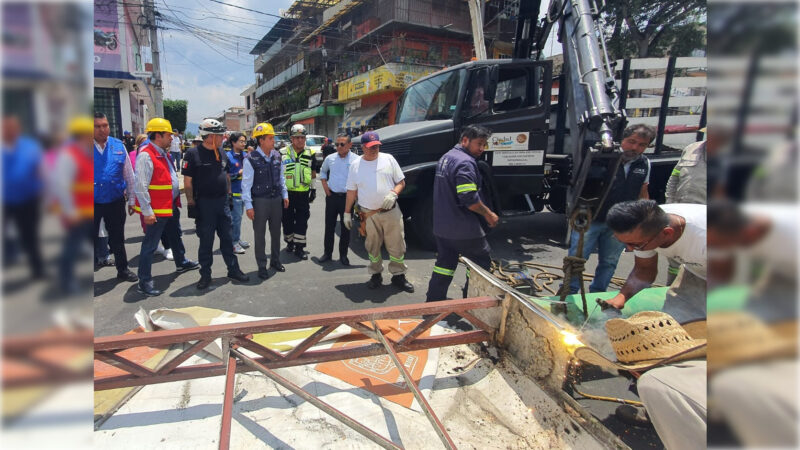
{"points": [[654, 28], [188, 135], [175, 112]]}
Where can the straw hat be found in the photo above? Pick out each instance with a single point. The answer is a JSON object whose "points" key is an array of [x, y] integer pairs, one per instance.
{"points": [[646, 340], [740, 338]]}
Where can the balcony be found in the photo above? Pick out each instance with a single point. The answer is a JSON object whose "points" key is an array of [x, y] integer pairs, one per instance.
{"points": [[273, 50], [293, 71], [452, 15]]}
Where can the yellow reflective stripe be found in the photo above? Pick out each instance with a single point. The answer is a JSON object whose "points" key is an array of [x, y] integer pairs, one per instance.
{"points": [[160, 187], [676, 172], [155, 211], [443, 271], [237, 194], [469, 187], [374, 258]]}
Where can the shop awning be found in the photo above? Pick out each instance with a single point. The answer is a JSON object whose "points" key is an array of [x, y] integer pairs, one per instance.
{"points": [[321, 110], [361, 116]]}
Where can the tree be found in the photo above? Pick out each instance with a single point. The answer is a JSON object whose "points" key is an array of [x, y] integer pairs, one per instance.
{"points": [[175, 112], [651, 28], [188, 135]]}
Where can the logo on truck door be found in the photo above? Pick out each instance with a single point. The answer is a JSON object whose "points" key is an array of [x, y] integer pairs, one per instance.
{"points": [[508, 141]]}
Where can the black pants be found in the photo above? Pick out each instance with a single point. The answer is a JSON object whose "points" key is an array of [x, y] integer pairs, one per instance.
{"points": [[26, 217], [214, 215], [114, 215], [295, 219], [267, 210], [334, 210], [477, 250]]}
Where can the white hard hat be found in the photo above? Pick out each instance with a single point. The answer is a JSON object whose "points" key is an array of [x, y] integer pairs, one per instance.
{"points": [[211, 126], [298, 130]]}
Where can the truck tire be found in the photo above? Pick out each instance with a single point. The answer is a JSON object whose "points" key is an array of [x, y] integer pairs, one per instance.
{"points": [[422, 223]]}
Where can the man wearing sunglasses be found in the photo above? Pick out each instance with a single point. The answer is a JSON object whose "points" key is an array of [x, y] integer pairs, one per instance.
{"points": [[334, 181], [676, 231]]}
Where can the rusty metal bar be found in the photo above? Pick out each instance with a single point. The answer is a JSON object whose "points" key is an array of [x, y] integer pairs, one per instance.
{"points": [[437, 424], [255, 347], [120, 362], [477, 322], [365, 330], [309, 357], [422, 327], [167, 337], [310, 341], [183, 356], [326, 408], [227, 402]]}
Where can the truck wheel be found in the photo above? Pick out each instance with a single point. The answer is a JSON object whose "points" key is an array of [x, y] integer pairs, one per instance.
{"points": [[422, 223]]}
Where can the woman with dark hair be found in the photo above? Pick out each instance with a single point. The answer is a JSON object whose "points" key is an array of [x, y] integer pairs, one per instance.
{"points": [[236, 156]]}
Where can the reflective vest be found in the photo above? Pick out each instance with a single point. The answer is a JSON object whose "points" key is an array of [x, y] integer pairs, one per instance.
{"points": [[266, 175], [298, 169], [83, 187], [109, 181], [235, 164], [160, 188]]}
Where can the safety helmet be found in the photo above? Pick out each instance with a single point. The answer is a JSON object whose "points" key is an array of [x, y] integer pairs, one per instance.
{"points": [[157, 124], [298, 130], [211, 126], [81, 125], [262, 129]]}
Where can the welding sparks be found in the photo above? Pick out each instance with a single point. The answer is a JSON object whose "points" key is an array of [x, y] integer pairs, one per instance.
{"points": [[570, 340]]}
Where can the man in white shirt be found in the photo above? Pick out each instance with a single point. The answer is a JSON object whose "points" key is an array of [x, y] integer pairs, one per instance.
{"points": [[376, 180], [175, 149], [676, 231]]}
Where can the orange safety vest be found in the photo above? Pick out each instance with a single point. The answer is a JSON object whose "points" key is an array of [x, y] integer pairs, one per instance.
{"points": [[83, 187], [160, 184]]}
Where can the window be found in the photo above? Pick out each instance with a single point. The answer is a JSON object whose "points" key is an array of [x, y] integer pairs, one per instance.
{"points": [[431, 99], [512, 90]]}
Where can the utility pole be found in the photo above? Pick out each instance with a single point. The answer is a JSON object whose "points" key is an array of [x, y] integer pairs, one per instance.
{"points": [[158, 100], [476, 17]]}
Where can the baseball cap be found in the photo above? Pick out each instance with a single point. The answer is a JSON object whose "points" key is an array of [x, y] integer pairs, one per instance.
{"points": [[369, 139]]}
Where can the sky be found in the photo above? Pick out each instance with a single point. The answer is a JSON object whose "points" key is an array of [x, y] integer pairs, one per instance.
{"points": [[208, 74]]}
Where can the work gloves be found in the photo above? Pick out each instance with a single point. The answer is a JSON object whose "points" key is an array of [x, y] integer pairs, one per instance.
{"points": [[389, 200], [347, 220]]}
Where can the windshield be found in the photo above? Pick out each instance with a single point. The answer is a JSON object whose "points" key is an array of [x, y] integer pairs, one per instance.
{"points": [[313, 140], [431, 99]]}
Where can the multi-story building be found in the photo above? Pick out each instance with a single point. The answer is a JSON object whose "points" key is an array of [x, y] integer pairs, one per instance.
{"points": [[123, 83], [234, 118], [249, 123], [341, 66]]}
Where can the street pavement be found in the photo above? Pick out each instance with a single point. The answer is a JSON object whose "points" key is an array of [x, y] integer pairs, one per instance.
{"points": [[308, 287]]}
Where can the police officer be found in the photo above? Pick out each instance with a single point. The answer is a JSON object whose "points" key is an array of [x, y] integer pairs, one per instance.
{"points": [[113, 184], [333, 174], [208, 195], [265, 196], [236, 158], [158, 200], [458, 207], [299, 173]]}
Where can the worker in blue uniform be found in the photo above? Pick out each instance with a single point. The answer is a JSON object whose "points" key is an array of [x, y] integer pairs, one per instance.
{"points": [[459, 210]]}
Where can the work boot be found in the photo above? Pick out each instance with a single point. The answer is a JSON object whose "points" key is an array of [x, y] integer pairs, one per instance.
{"points": [[299, 251], [290, 247], [187, 266], [403, 284], [345, 262], [203, 283], [325, 257], [127, 275], [263, 273], [277, 266], [238, 275], [375, 281], [146, 288]]}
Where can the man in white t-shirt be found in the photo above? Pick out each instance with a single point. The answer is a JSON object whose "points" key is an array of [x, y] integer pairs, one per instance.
{"points": [[175, 149], [376, 180], [676, 231]]}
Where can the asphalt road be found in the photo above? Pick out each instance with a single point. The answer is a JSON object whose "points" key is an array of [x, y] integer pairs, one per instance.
{"points": [[308, 287]]}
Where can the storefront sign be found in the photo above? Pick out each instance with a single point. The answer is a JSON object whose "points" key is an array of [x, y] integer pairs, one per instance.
{"points": [[314, 99], [392, 76]]}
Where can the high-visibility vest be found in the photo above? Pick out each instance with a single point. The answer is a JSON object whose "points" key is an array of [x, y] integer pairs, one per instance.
{"points": [[83, 187], [298, 169], [160, 188]]}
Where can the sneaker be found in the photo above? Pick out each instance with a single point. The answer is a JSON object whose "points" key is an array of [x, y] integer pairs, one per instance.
{"points": [[238, 249], [244, 244], [375, 281], [168, 254], [187, 266], [160, 249], [400, 281]]}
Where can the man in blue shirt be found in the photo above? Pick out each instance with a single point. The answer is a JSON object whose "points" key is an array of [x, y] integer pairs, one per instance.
{"points": [[458, 207], [334, 181], [265, 196], [22, 189], [113, 187]]}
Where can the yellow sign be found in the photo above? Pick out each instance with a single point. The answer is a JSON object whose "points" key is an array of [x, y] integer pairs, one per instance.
{"points": [[392, 76]]}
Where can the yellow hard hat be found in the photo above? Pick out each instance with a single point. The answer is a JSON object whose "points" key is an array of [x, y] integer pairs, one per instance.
{"points": [[157, 124], [81, 125], [262, 129]]}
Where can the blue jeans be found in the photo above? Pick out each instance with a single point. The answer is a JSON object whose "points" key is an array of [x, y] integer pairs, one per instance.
{"points": [[236, 219], [170, 227], [609, 249]]}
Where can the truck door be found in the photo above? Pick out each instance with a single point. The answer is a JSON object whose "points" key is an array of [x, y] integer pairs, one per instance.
{"points": [[513, 101]]}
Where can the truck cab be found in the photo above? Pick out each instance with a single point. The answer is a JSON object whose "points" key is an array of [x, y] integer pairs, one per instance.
{"points": [[511, 97]]}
